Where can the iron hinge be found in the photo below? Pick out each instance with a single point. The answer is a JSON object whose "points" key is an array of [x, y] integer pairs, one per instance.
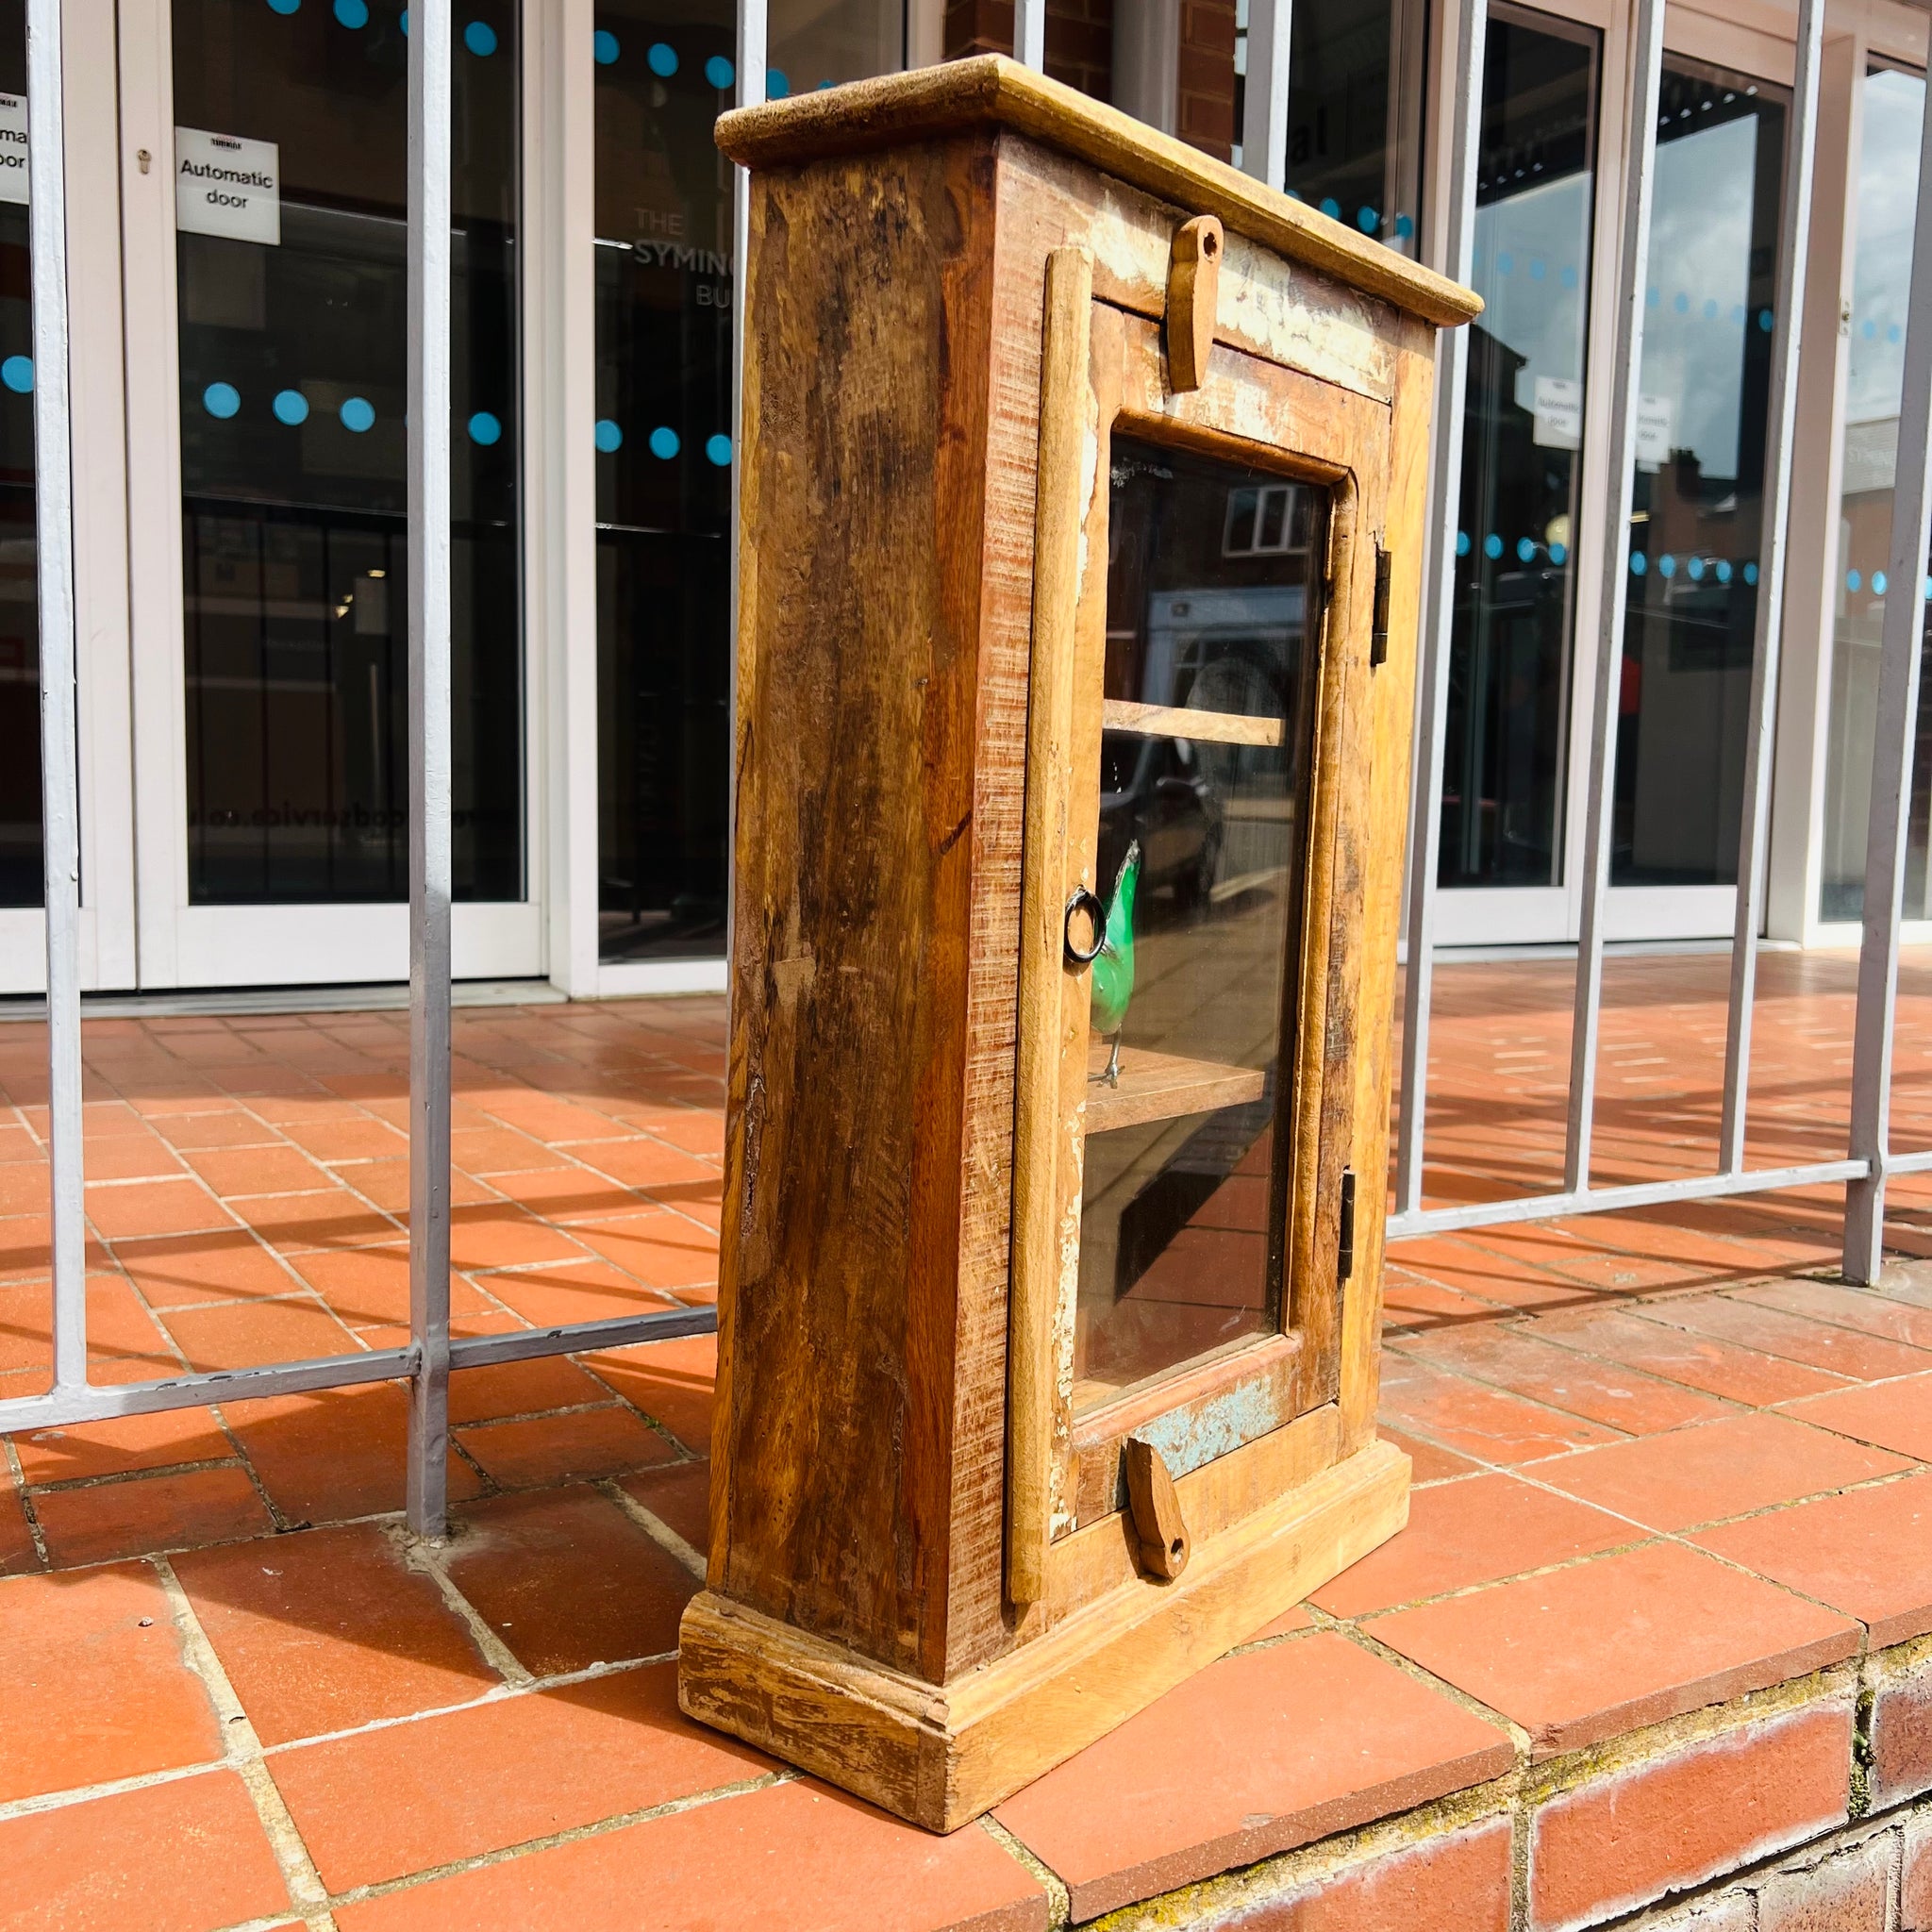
{"points": [[1378, 628], [1345, 1239]]}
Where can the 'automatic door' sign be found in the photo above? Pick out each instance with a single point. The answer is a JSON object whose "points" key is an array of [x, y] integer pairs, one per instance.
{"points": [[227, 186]]}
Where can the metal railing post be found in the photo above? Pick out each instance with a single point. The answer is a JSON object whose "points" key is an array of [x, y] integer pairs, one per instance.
{"points": [[429, 251], [1754, 817], [59, 677], [1891, 757], [1646, 68], [1030, 34], [1438, 610], [1264, 122]]}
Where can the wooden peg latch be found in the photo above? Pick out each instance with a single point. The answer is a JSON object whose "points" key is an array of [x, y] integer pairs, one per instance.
{"points": [[1157, 1510], [1193, 290]]}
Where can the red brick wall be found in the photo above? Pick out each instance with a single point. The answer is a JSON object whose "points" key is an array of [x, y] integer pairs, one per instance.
{"points": [[1079, 37], [1205, 110]]}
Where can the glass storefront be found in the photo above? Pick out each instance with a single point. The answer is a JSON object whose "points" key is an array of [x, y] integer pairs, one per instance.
{"points": [[21, 879], [1522, 470], [291, 277], [1893, 108], [1696, 523]]}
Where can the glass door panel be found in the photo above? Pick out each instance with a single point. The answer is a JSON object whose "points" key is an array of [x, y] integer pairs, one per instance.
{"points": [[1214, 577], [22, 883], [1698, 505], [1515, 583], [289, 151]]}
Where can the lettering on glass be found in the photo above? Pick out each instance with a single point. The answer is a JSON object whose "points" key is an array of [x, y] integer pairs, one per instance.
{"points": [[13, 147], [225, 185]]}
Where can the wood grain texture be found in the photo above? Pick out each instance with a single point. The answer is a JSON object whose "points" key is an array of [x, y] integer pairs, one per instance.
{"points": [[942, 1755], [1159, 1524], [1193, 292], [1178, 721], [1161, 1087], [992, 90], [1060, 509]]}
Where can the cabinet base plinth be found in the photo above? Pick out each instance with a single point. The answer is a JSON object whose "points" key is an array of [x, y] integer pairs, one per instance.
{"points": [[941, 1754]]}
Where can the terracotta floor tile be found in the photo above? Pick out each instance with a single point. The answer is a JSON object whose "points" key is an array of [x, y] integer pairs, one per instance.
{"points": [[584, 1443], [671, 1381], [583, 1290], [227, 1126], [1894, 1415], [661, 1249], [330, 1628], [566, 1193], [679, 1498], [1517, 1358], [94, 1685], [127, 1442], [1865, 1309], [531, 1388], [500, 1150], [385, 1184], [544, 1116], [275, 1170], [502, 1235], [1431, 1464], [337, 1452], [780, 1859], [1843, 1351], [119, 1209], [1699, 1361], [184, 1856], [1577, 1655], [244, 1333], [224, 1266], [338, 1136], [141, 1154], [23, 1246], [17, 1552], [1474, 1531], [1869, 1554], [398, 1800], [1481, 1422], [1413, 1303], [1261, 1751], [147, 1513], [366, 1286], [643, 1163], [330, 1218], [567, 1580]]}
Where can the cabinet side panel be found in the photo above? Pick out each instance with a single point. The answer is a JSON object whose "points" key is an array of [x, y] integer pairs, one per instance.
{"points": [[1392, 702], [865, 425]]}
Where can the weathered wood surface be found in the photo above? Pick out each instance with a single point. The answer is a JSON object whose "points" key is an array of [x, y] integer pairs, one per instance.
{"points": [[1194, 289], [1159, 1524], [993, 91], [1178, 721]]}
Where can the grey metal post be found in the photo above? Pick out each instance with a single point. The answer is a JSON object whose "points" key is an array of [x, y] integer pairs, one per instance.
{"points": [[1891, 757], [1264, 122], [1439, 607], [1755, 828], [1029, 33], [430, 202], [1625, 370], [60, 714]]}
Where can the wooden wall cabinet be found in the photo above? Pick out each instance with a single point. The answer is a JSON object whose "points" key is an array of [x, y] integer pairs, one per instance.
{"points": [[1081, 536]]}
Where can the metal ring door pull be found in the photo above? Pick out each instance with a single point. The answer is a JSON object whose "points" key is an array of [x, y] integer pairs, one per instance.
{"points": [[1081, 900]]}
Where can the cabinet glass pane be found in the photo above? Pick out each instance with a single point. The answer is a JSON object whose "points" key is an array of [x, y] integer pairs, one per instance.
{"points": [[1213, 572]]}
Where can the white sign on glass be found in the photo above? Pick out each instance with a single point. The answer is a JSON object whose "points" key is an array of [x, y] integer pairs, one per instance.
{"points": [[1656, 420], [1557, 412], [227, 186], [13, 147]]}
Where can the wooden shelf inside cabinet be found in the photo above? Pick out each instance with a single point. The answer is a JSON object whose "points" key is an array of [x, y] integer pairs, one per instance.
{"points": [[1178, 721], [1162, 1087]]}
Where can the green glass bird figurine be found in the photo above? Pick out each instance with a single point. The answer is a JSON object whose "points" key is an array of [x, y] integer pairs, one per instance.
{"points": [[1114, 965]]}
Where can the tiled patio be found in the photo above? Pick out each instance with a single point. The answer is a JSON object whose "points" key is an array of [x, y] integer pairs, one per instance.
{"points": [[1664, 1608]]}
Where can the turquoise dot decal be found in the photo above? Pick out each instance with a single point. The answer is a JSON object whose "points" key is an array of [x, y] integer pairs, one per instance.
{"points": [[1537, 269], [1894, 335], [1723, 571], [604, 48], [1696, 569], [1750, 573], [664, 443], [1870, 331], [291, 407], [1667, 565], [1559, 554], [1682, 303], [1367, 220], [358, 414], [221, 399], [481, 37], [1639, 563], [720, 72], [17, 373], [1568, 277], [1404, 228], [353, 13], [485, 429], [719, 450], [776, 85], [1492, 547], [1854, 581], [1506, 264], [1524, 550], [1463, 544], [1878, 581], [1764, 320], [283, 7], [610, 437], [1331, 208], [662, 59], [406, 20], [1652, 296]]}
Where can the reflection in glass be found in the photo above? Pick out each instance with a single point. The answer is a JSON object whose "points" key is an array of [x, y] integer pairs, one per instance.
{"points": [[293, 385], [817, 44], [1697, 514], [1515, 569], [1893, 116], [1212, 574], [21, 867]]}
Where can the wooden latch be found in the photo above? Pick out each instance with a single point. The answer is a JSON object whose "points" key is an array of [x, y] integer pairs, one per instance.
{"points": [[1157, 1510], [1194, 289], [1378, 625]]}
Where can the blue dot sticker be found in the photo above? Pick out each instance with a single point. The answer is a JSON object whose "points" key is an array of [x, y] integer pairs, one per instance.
{"points": [[604, 48], [1723, 571], [485, 429], [221, 399], [358, 414], [405, 22], [1878, 583], [1330, 207], [719, 450], [1404, 228], [481, 37], [1463, 544], [1652, 296], [662, 59], [1524, 550], [720, 72], [1870, 331], [1506, 264], [610, 437], [17, 373], [1750, 573], [1367, 220], [1560, 555], [283, 7], [664, 443], [353, 13], [1639, 563], [1764, 320], [291, 407], [1682, 303], [1492, 547], [1568, 277], [1696, 569], [1854, 581], [1667, 565], [777, 85]]}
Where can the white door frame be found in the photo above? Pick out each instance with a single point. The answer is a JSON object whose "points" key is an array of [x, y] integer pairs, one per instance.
{"points": [[179, 943]]}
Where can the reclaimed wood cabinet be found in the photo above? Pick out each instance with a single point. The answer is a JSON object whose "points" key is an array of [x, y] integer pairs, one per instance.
{"points": [[1081, 546]]}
